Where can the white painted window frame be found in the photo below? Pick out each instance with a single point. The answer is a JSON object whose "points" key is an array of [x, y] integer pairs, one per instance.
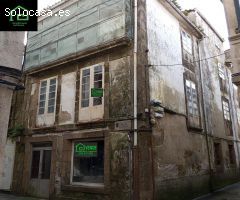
{"points": [[192, 87], [91, 108], [226, 110], [187, 42], [47, 96]]}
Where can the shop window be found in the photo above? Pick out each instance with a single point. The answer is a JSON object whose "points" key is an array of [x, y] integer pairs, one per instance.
{"points": [[88, 162]]}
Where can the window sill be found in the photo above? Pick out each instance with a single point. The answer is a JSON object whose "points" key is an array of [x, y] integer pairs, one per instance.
{"points": [[85, 187]]}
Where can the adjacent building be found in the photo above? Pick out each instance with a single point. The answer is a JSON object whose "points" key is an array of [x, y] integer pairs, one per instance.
{"points": [[125, 100], [232, 11], [11, 57]]}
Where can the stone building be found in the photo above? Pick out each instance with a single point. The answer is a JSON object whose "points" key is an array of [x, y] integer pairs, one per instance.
{"points": [[125, 99], [11, 57], [232, 11]]}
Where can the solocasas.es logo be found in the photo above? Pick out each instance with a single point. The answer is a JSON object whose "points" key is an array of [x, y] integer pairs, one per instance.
{"points": [[18, 15]]}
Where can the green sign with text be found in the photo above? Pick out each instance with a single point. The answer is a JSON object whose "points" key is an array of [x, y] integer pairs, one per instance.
{"points": [[97, 92], [85, 149]]}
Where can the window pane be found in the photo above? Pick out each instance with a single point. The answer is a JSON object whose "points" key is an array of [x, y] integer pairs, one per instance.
{"points": [[43, 83], [41, 111], [53, 81], [43, 90], [97, 101], [88, 162], [51, 95], [51, 102], [85, 88], [98, 69], [52, 88], [84, 103], [97, 77], [41, 104], [35, 164], [46, 164], [51, 109], [86, 72], [98, 84], [42, 97]]}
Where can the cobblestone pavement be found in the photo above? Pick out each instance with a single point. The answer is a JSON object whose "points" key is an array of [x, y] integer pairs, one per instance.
{"points": [[6, 196], [231, 192]]}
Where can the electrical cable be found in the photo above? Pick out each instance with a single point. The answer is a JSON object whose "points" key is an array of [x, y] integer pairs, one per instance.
{"points": [[188, 62]]}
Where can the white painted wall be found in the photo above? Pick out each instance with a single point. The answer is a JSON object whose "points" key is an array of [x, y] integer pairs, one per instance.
{"points": [[11, 49], [5, 105], [68, 91], [164, 44], [8, 164]]}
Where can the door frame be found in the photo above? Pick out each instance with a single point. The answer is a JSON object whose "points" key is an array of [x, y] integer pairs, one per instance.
{"points": [[41, 149]]}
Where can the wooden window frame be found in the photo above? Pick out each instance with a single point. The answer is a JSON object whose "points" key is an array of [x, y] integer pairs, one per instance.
{"points": [[46, 105]]}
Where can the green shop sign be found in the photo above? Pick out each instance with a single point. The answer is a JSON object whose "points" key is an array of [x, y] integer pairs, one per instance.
{"points": [[96, 92], [86, 149]]}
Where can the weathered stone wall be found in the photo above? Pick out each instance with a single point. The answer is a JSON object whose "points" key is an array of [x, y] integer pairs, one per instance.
{"points": [[5, 105], [183, 158], [114, 131]]}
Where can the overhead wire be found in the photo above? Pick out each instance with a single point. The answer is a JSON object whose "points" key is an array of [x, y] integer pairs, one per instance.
{"points": [[189, 62]]}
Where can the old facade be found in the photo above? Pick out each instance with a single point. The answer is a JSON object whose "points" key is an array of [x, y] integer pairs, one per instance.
{"points": [[86, 136], [232, 11], [11, 57]]}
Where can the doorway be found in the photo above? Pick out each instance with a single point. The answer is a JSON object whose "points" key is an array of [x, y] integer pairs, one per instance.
{"points": [[40, 170]]}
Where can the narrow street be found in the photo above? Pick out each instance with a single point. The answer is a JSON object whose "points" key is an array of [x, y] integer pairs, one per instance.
{"points": [[231, 192]]}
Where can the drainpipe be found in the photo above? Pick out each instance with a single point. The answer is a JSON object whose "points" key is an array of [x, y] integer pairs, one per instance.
{"points": [[135, 190], [135, 136], [204, 116]]}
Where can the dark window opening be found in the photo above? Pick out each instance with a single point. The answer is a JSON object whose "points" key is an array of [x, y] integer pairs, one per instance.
{"points": [[231, 154], [217, 154]]}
